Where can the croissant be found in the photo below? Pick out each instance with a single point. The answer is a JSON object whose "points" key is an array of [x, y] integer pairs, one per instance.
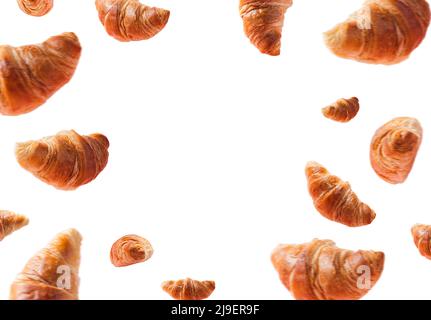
{"points": [[66, 160], [52, 274], [422, 238], [263, 23], [394, 148], [129, 20], [29, 75], [10, 222], [343, 110], [129, 250], [382, 32], [188, 289], [36, 8], [334, 198], [319, 270]]}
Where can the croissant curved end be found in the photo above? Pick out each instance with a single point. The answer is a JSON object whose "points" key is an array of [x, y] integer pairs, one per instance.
{"points": [[11, 222], [31, 155], [36, 8], [422, 238]]}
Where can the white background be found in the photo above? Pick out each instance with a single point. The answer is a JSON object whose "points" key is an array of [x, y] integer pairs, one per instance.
{"points": [[209, 140]]}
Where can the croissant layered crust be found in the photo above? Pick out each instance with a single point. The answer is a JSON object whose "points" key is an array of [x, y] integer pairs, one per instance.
{"points": [[422, 237], [129, 250], [319, 270], [189, 289], [36, 8], [334, 198], [30, 75], [67, 160], [263, 23], [381, 32], [11, 222], [41, 278], [129, 20], [394, 147], [343, 110]]}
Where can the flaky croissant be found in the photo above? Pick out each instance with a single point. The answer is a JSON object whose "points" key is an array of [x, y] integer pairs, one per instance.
{"points": [[10, 222], [66, 160], [382, 32], [263, 23], [130, 249], [51, 274], [319, 270], [343, 110], [129, 20], [334, 198], [422, 238], [394, 148], [36, 8], [188, 289], [29, 75]]}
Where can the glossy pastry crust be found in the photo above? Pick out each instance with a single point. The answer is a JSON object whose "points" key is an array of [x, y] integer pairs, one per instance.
{"points": [[36, 8], [130, 249], [10, 222], [422, 237], [343, 110], [319, 270], [189, 289]]}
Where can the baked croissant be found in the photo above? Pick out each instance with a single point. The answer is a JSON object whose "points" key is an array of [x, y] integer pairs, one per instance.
{"points": [[66, 160], [334, 198], [394, 148], [343, 110], [10, 222], [52, 274], [422, 238], [263, 23], [29, 75], [318, 270], [382, 32], [129, 250], [36, 8], [129, 20], [188, 289]]}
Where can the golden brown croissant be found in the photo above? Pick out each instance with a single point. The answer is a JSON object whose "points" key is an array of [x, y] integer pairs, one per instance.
{"points": [[52, 274], [422, 238], [343, 110], [130, 249], [263, 23], [188, 289], [129, 20], [383, 31], [36, 8], [29, 75], [319, 270], [334, 198], [394, 148], [10, 222], [66, 160]]}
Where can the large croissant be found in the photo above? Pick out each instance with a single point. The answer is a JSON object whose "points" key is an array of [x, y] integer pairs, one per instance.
{"points": [[129, 20], [334, 198], [263, 23], [10, 222], [422, 238], [36, 8], [319, 270], [394, 148], [51, 274], [29, 75], [189, 289], [383, 31], [66, 160]]}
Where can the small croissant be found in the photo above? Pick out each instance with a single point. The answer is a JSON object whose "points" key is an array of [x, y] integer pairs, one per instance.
{"points": [[334, 198], [422, 238], [129, 20], [67, 160], [394, 148], [319, 270], [11, 222], [36, 8], [130, 249], [188, 289], [263, 23], [343, 110], [51, 274], [381, 32]]}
